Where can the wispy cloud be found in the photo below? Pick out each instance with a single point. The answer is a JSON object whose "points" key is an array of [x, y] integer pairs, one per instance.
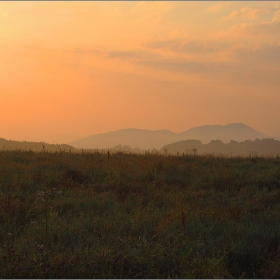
{"points": [[264, 54], [247, 12], [181, 45], [124, 55], [264, 28], [214, 8], [276, 16], [186, 66]]}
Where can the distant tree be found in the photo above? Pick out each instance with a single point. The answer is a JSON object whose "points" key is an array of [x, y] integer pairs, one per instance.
{"points": [[194, 151]]}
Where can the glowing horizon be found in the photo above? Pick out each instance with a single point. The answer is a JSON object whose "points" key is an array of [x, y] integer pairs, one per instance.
{"points": [[73, 69]]}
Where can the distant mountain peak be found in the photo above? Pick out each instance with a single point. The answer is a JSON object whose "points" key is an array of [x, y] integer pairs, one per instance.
{"points": [[237, 125]]}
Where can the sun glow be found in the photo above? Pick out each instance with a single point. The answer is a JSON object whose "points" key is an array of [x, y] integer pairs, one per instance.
{"points": [[90, 67]]}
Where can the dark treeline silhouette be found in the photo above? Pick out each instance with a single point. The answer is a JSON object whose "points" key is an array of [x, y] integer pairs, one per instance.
{"points": [[34, 146], [125, 148], [264, 147]]}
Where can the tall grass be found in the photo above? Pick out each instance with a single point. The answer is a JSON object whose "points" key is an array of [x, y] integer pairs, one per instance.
{"points": [[117, 215]]}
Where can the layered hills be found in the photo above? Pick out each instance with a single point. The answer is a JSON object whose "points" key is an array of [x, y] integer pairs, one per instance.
{"points": [[208, 139], [149, 139]]}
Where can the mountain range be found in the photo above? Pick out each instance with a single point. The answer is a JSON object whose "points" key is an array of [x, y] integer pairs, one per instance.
{"points": [[149, 139]]}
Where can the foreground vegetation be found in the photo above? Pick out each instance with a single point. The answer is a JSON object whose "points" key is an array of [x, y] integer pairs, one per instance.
{"points": [[121, 215]]}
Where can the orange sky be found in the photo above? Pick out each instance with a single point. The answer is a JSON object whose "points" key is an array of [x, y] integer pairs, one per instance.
{"points": [[73, 69]]}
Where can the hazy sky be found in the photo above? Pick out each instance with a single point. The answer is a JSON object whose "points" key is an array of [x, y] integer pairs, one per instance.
{"points": [[73, 69]]}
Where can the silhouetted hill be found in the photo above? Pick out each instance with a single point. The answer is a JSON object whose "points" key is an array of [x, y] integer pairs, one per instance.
{"points": [[149, 139], [144, 139], [34, 146], [226, 133], [264, 147]]}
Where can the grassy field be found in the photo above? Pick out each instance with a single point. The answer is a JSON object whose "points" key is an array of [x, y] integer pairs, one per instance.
{"points": [[122, 215]]}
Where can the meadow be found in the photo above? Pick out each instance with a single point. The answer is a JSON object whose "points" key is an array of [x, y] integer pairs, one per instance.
{"points": [[150, 215]]}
